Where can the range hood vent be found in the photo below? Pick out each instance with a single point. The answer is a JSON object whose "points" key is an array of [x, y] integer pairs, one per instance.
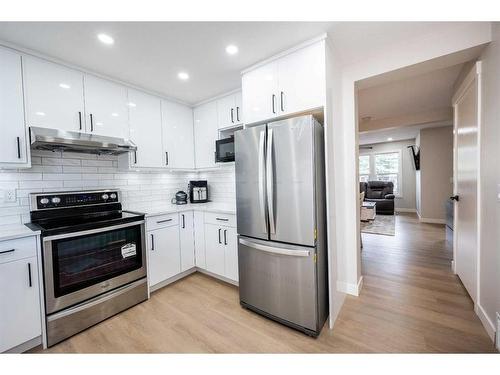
{"points": [[60, 140]]}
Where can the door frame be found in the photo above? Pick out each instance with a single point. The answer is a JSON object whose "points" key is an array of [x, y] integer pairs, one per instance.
{"points": [[475, 74]]}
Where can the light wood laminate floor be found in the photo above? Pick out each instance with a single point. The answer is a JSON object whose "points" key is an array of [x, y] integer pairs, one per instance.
{"points": [[410, 302]]}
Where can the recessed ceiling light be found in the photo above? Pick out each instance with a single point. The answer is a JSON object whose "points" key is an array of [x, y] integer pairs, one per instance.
{"points": [[183, 75], [105, 38], [389, 139], [64, 85], [232, 49], [40, 113], [114, 114], [130, 104]]}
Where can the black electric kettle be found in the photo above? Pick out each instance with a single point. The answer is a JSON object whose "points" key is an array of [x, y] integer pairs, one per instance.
{"points": [[180, 198]]}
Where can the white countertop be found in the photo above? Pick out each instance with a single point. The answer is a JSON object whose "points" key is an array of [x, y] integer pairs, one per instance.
{"points": [[9, 232], [224, 208]]}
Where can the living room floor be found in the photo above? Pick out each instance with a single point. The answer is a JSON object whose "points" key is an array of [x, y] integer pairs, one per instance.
{"points": [[410, 302]]}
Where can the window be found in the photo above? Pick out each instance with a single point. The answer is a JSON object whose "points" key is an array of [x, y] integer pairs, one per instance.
{"points": [[384, 166]]}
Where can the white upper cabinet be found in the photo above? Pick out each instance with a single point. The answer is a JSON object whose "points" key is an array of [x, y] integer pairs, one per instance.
{"points": [[145, 129], [259, 88], [178, 137], [54, 95], [290, 84], [229, 110], [13, 142], [302, 80], [106, 108], [205, 134]]}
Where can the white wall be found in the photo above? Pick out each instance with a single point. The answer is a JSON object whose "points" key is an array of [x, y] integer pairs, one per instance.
{"points": [[406, 200], [436, 172], [489, 259], [344, 154], [141, 191]]}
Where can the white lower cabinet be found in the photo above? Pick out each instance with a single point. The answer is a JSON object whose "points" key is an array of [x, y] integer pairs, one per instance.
{"points": [[186, 236], [231, 253], [199, 239], [20, 319], [164, 254], [221, 250]]}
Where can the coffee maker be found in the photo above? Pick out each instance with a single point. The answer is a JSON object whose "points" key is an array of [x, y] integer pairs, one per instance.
{"points": [[198, 191]]}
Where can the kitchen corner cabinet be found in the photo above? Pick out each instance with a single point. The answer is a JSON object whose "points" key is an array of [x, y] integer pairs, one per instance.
{"points": [[229, 110], [20, 294], [164, 255], [205, 134], [106, 108], [186, 237], [14, 148], [290, 84], [178, 136], [145, 127], [54, 95]]}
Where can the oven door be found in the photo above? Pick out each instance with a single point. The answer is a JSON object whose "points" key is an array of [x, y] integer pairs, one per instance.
{"points": [[82, 265], [224, 150]]}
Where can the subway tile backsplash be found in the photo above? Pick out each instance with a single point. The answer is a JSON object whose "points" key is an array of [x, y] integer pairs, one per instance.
{"points": [[141, 191]]}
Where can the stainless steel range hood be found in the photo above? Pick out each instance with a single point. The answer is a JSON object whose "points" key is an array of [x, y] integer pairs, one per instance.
{"points": [[59, 140]]}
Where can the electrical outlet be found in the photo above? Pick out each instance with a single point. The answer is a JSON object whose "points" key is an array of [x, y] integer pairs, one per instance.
{"points": [[9, 195]]}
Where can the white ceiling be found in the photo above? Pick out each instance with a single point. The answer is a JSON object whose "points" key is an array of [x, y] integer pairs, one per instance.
{"points": [[150, 54], [398, 134], [425, 92]]}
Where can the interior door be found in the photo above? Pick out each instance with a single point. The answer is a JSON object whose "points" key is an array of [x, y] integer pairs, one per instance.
{"points": [[290, 181], [466, 186], [251, 208]]}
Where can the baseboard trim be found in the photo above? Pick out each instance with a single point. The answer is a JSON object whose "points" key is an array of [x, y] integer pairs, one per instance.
{"points": [[173, 279], [24, 347], [431, 221], [412, 210], [487, 323], [350, 288], [215, 276]]}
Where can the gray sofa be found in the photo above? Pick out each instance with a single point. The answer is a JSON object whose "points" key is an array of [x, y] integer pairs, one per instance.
{"points": [[380, 192]]}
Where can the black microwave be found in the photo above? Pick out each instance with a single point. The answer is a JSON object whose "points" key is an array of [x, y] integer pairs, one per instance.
{"points": [[224, 150]]}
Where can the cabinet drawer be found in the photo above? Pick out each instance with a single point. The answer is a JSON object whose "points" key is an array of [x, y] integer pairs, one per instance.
{"points": [[17, 249], [227, 220], [162, 221]]}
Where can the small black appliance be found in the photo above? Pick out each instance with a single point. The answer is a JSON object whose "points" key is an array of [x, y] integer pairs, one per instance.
{"points": [[198, 191], [224, 150], [181, 197]]}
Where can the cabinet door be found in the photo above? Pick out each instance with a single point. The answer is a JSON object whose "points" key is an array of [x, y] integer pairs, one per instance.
{"points": [[20, 303], [145, 128], [259, 89], [199, 239], [226, 112], [54, 95], [230, 254], [178, 138], [164, 254], [214, 249], [301, 80], [13, 148], [186, 240], [205, 134], [106, 107], [238, 108]]}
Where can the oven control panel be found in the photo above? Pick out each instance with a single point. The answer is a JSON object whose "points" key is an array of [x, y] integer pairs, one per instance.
{"points": [[62, 200]]}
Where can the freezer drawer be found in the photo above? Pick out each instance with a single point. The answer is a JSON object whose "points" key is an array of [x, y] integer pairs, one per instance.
{"points": [[279, 280]]}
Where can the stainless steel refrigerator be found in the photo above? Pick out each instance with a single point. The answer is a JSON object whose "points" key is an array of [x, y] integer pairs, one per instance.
{"points": [[282, 249]]}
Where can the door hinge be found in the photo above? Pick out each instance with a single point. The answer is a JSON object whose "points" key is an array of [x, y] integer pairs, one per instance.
{"points": [[315, 234], [315, 257]]}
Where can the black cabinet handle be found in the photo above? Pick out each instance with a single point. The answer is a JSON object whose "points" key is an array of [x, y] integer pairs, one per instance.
{"points": [[281, 102], [91, 123], [232, 115], [221, 219], [225, 236], [219, 235], [183, 221], [135, 157], [7, 251], [273, 100], [455, 198], [237, 113], [80, 119], [163, 221], [166, 157], [18, 147], [29, 275], [152, 242]]}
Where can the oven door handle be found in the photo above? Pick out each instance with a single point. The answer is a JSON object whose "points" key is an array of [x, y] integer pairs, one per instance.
{"points": [[92, 231]]}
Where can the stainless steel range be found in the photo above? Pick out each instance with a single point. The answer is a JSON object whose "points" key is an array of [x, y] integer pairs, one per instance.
{"points": [[94, 259]]}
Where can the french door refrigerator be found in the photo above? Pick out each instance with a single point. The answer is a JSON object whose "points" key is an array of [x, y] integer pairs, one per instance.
{"points": [[282, 249]]}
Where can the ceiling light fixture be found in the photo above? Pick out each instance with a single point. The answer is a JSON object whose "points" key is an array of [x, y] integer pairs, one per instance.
{"points": [[183, 75], [64, 86], [389, 139], [130, 104], [106, 39], [232, 49]]}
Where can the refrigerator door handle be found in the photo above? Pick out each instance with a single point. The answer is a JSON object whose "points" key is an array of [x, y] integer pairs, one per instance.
{"points": [[275, 250], [262, 169], [270, 181]]}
